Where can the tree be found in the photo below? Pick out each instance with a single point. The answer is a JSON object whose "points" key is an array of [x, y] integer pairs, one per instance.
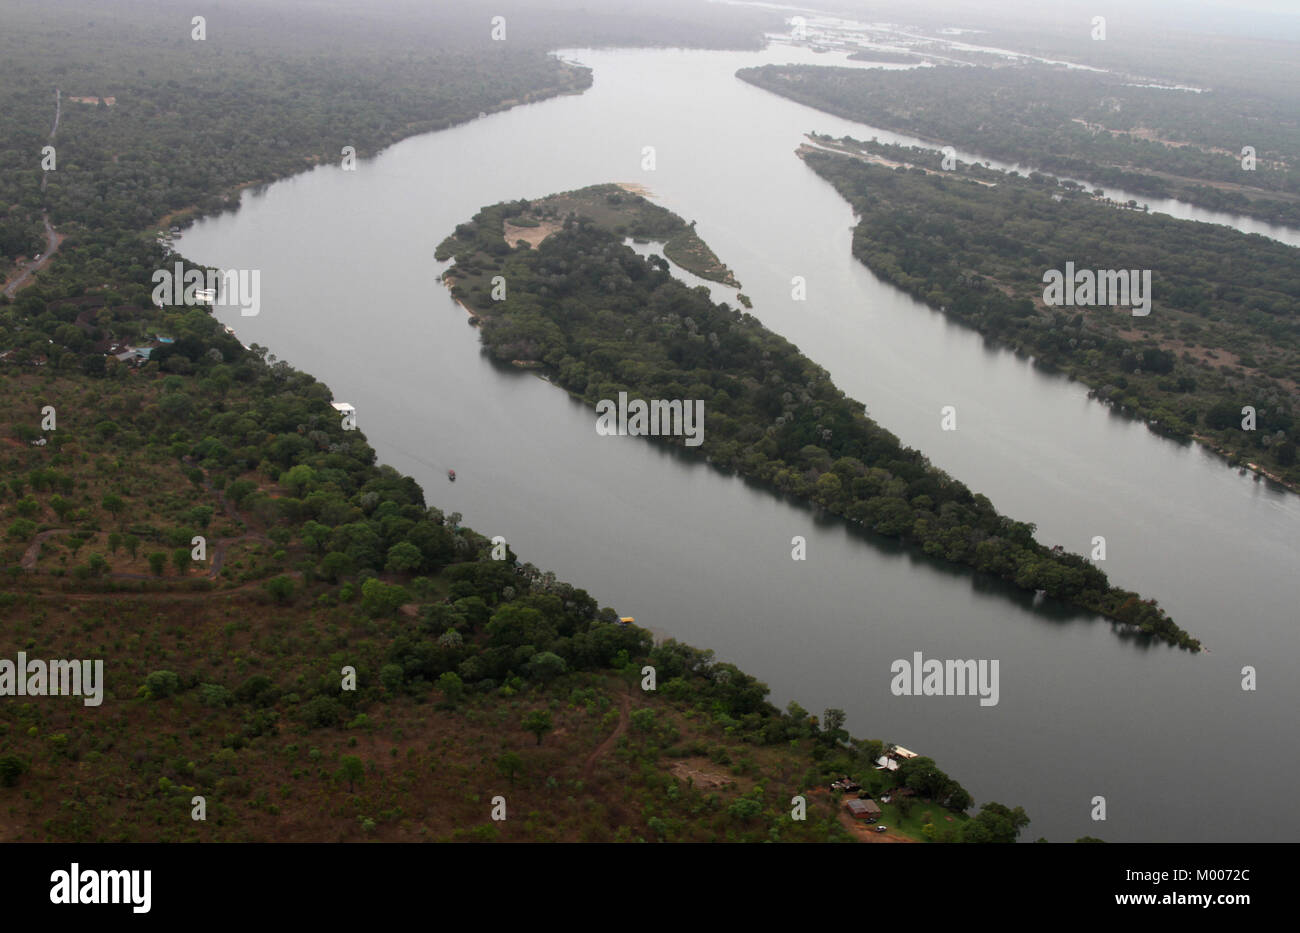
{"points": [[643, 720], [995, 823], [452, 687], [11, 769], [215, 695], [833, 726], [351, 770], [959, 798], [391, 676], [334, 566], [380, 599], [181, 560], [922, 775], [321, 711], [298, 478], [510, 764], [113, 504], [745, 809], [513, 626], [545, 666], [20, 529], [404, 557], [279, 588], [61, 506], [114, 542], [239, 490], [200, 515], [870, 751], [1223, 415], [157, 561], [132, 545], [538, 722], [162, 683]]}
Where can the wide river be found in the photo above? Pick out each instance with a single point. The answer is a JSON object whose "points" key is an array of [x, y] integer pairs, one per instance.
{"points": [[1178, 749]]}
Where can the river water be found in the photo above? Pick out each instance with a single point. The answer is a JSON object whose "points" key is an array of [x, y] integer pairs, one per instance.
{"points": [[350, 294]]}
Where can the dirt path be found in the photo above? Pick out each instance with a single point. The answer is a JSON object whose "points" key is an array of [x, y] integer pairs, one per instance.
{"points": [[33, 552], [219, 546], [862, 832], [603, 749], [159, 594], [52, 237], [52, 241]]}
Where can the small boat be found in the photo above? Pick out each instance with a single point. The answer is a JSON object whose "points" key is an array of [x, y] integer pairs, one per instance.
{"points": [[451, 475]]}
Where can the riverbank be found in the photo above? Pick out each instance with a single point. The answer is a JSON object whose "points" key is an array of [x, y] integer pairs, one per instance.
{"points": [[1207, 347], [904, 101], [228, 198]]}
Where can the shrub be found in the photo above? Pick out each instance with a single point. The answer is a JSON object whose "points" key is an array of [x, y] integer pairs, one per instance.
{"points": [[214, 695], [321, 711], [381, 599], [280, 588], [11, 769], [20, 529], [258, 690], [391, 676], [162, 684]]}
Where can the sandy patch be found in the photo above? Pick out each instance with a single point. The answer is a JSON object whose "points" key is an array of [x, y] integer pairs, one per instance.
{"points": [[697, 771], [531, 235], [633, 188]]}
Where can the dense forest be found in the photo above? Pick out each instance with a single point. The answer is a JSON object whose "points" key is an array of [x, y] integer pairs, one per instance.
{"points": [[203, 522], [168, 122], [604, 320], [1093, 126], [1223, 330]]}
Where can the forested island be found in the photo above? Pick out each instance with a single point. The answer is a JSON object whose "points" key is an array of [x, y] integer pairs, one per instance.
{"points": [[1222, 333], [1095, 126], [202, 522], [603, 320]]}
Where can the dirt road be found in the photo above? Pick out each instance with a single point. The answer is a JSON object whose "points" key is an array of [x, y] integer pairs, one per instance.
{"points": [[603, 748]]}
